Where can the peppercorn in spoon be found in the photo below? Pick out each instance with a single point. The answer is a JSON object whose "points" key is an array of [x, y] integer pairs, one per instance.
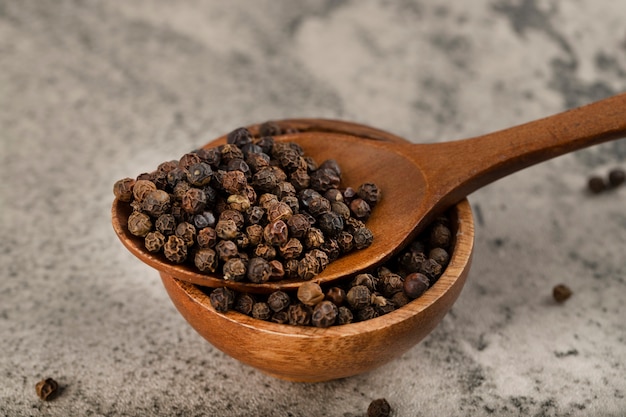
{"points": [[419, 181]]}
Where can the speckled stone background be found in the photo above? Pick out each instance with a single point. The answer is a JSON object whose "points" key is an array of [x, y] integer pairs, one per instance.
{"points": [[93, 91]]}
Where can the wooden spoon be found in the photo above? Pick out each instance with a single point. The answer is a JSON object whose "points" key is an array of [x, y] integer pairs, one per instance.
{"points": [[420, 181]]}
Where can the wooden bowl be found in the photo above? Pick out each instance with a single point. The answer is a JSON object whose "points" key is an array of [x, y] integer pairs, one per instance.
{"points": [[309, 354]]}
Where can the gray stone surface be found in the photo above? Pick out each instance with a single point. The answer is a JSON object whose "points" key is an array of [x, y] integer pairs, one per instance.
{"points": [[93, 91]]}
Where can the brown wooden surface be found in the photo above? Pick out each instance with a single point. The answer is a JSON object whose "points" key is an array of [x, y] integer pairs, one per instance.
{"points": [[308, 354]]}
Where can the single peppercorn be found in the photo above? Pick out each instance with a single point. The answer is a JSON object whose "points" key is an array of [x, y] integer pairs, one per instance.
{"points": [[188, 160], [175, 249], [363, 238], [292, 249], [239, 137], [298, 225], [194, 201], [47, 389], [332, 249], [234, 269], [310, 293], [259, 270], [278, 301], [331, 224], [370, 193], [142, 188], [199, 174], [314, 238], [431, 269], [265, 251], [278, 270], [400, 299], [211, 156], [222, 299], [276, 233], [154, 241], [226, 229], [261, 311], [344, 316], [360, 209], [358, 297], [123, 189], [206, 260], [279, 211], [369, 280], [187, 232], [319, 205], [238, 202], [345, 241], [204, 219], [336, 295], [226, 249], [299, 314], [596, 184], [561, 293], [390, 284], [415, 284], [269, 128], [617, 177], [308, 267], [264, 179], [244, 303], [324, 314], [379, 408], [281, 317], [230, 151]]}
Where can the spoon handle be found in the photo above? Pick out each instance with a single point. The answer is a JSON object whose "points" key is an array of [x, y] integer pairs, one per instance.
{"points": [[458, 168]]}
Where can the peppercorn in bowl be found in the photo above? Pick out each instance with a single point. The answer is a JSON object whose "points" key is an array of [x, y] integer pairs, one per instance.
{"points": [[338, 328], [307, 353]]}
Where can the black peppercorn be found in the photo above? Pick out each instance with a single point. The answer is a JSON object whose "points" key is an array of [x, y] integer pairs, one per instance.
{"points": [[238, 202], [194, 201], [596, 184], [439, 255], [298, 225], [234, 269], [279, 211], [259, 270], [265, 251], [379, 408], [415, 284], [257, 161], [617, 177], [239, 137], [226, 249], [318, 205], [206, 260], [331, 224], [358, 297], [440, 236], [370, 193], [47, 389], [264, 179], [561, 293], [431, 269], [324, 314], [226, 229], [363, 238], [281, 317], [175, 249], [204, 219], [199, 174], [123, 189], [276, 233], [369, 280], [187, 232], [324, 179], [243, 303], [360, 208], [278, 270], [234, 182], [269, 128], [292, 249], [278, 301], [188, 160], [222, 299], [345, 241], [344, 316], [142, 188], [391, 284], [261, 311], [206, 237], [139, 224], [154, 241], [400, 299], [314, 238], [211, 156], [308, 267], [230, 151], [332, 249], [299, 314], [310, 293]]}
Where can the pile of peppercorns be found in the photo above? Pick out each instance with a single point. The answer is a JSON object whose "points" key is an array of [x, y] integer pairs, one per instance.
{"points": [[253, 209], [366, 296]]}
